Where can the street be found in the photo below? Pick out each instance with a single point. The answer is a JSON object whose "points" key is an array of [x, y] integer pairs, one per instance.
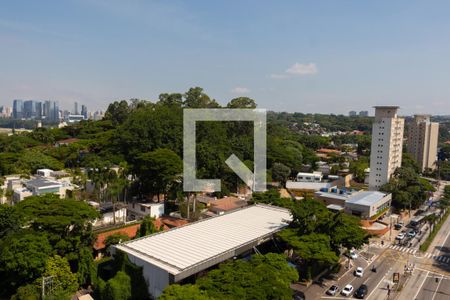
{"points": [[422, 275]]}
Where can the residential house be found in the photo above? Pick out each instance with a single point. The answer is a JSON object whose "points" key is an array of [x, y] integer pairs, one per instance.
{"points": [[140, 210]]}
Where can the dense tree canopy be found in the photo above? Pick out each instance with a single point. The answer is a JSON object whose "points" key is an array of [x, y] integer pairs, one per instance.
{"points": [[262, 277]]}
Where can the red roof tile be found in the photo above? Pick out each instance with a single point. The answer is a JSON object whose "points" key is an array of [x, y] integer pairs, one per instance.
{"points": [[130, 231]]}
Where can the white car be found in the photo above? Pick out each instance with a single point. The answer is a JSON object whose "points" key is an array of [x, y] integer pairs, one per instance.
{"points": [[347, 290], [359, 272], [353, 254], [400, 236]]}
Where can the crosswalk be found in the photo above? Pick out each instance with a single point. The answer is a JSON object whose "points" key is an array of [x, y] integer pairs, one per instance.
{"points": [[440, 258]]}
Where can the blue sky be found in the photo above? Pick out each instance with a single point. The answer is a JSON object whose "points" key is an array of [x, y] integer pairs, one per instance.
{"points": [[305, 56]]}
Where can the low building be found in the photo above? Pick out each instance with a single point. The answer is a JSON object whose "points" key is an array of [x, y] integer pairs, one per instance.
{"points": [[307, 184], [140, 210], [309, 177], [368, 205], [226, 204], [203, 244], [44, 172], [111, 214], [364, 204], [20, 194]]}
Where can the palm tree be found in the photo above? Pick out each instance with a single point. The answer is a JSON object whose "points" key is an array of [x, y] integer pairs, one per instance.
{"points": [[431, 219]]}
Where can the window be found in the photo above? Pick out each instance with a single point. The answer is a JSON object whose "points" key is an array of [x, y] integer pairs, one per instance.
{"points": [[143, 208]]}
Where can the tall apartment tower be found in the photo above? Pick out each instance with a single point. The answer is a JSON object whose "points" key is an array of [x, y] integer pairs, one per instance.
{"points": [[423, 141], [387, 145]]}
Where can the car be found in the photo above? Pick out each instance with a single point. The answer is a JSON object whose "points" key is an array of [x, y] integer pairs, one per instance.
{"points": [[411, 233], [361, 292], [359, 272], [398, 226], [400, 236], [333, 290], [298, 296], [352, 254], [347, 290]]}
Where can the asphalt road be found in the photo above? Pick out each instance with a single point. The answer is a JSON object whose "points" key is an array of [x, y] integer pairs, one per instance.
{"points": [[376, 281], [423, 286]]}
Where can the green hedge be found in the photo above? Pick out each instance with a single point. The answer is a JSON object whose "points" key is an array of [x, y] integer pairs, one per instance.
{"points": [[424, 247]]}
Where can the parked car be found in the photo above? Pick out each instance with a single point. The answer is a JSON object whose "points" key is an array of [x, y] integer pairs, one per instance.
{"points": [[333, 290], [298, 296], [411, 233], [361, 292], [352, 254], [347, 290], [359, 272], [398, 226], [400, 236]]}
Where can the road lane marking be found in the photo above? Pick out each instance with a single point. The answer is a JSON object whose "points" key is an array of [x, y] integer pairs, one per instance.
{"points": [[435, 292], [420, 287]]}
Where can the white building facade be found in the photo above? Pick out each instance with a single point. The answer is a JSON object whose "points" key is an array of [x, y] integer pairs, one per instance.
{"points": [[387, 145], [423, 141]]}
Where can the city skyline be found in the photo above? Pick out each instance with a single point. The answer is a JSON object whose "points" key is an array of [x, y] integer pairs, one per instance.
{"points": [[301, 57]]}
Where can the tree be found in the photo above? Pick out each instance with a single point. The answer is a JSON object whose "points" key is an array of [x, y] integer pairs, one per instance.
{"points": [[118, 287], [23, 256], [116, 238], [280, 173], [196, 98], [272, 197], [174, 99], [346, 231], [242, 102], [63, 279], [184, 292], [263, 277], [313, 250], [117, 112], [158, 170], [147, 227], [66, 222], [9, 220], [27, 292], [87, 269], [317, 235]]}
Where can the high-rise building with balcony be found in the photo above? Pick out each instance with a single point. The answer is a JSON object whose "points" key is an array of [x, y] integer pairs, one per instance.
{"points": [[387, 145], [423, 141]]}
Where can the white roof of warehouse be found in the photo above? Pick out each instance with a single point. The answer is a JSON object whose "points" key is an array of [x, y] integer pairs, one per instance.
{"points": [[180, 248], [367, 198]]}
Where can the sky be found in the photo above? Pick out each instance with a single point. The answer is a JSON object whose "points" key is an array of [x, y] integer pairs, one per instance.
{"points": [[294, 56]]}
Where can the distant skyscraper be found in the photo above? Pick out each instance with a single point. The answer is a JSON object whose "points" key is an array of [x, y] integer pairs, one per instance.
{"points": [[38, 109], [352, 113], [18, 109], [364, 113], [387, 145], [50, 111], [423, 141], [5, 112], [84, 111], [29, 109], [54, 111], [75, 108]]}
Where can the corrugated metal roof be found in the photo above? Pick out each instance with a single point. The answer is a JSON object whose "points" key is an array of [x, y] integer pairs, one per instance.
{"points": [[181, 248], [367, 198]]}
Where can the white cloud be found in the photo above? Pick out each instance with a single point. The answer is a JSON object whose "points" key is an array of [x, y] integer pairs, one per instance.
{"points": [[297, 70], [302, 69], [240, 90]]}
